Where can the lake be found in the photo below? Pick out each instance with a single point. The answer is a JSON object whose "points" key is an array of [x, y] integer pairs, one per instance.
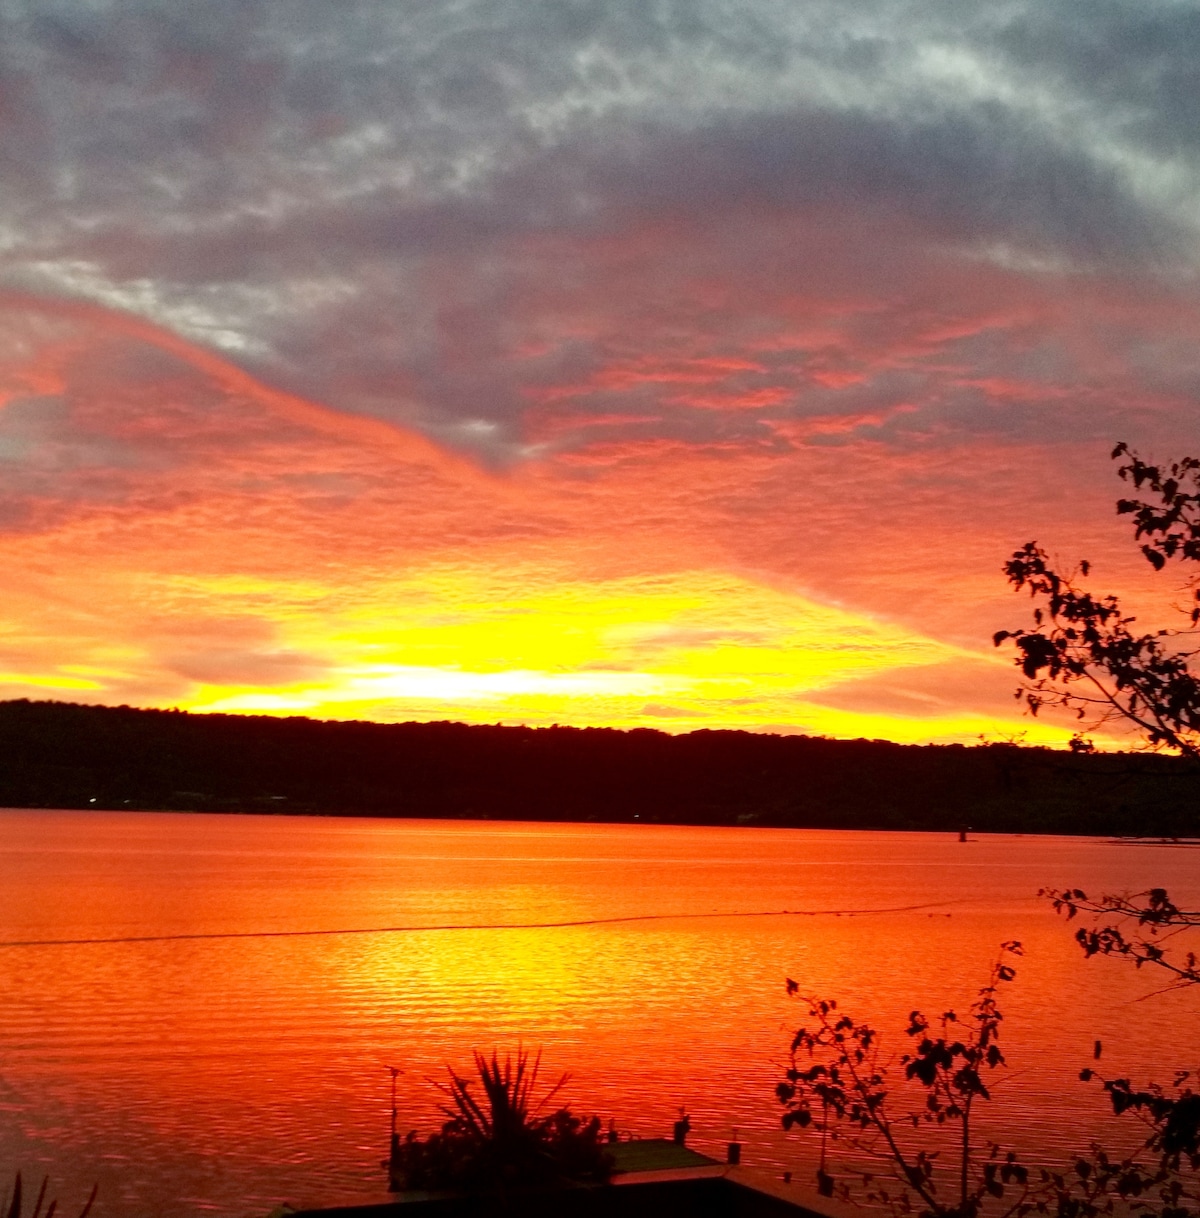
{"points": [[169, 1032]]}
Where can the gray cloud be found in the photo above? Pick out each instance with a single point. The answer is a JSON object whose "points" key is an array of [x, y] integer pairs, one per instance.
{"points": [[415, 211], [1140, 62]]}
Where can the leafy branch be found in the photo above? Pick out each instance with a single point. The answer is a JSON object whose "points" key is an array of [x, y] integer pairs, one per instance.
{"points": [[1134, 927], [1150, 1181], [1138, 928], [1173, 522], [839, 1085], [1083, 653]]}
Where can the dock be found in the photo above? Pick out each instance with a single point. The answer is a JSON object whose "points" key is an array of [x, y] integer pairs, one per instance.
{"points": [[652, 1178]]}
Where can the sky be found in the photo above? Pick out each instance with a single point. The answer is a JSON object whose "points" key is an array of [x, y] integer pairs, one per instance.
{"points": [[668, 363]]}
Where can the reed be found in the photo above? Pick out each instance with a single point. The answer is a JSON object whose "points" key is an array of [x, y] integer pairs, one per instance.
{"points": [[13, 1202]]}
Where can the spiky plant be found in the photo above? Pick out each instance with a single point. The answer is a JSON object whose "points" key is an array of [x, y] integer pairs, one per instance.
{"points": [[508, 1092], [12, 1206], [503, 1137]]}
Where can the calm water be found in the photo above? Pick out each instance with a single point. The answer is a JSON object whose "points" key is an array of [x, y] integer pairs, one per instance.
{"points": [[193, 1075]]}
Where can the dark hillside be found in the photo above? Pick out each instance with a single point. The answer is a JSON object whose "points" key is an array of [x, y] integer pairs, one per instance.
{"points": [[67, 756]]}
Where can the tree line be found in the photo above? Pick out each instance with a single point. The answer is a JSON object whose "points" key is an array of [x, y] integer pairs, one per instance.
{"points": [[72, 756]]}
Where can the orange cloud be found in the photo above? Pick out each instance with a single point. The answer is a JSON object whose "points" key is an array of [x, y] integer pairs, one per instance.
{"points": [[785, 505]]}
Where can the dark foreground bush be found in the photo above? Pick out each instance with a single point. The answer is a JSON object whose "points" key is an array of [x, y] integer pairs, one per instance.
{"points": [[501, 1140]]}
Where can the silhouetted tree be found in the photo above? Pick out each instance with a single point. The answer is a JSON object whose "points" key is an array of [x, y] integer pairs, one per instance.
{"points": [[62, 756], [1084, 654], [841, 1084], [1144, 929]]}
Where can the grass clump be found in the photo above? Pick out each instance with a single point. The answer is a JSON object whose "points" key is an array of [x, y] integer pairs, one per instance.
{"points": [[13, 1202]]}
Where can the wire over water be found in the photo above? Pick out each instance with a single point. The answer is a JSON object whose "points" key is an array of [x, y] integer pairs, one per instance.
{"points": [[400, 930]]}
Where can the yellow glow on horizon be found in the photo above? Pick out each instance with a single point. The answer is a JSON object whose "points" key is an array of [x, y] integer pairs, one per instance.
{"points": [[488, 641], [677, 652], [963, 728]]}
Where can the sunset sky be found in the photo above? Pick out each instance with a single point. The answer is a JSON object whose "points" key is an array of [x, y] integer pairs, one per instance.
{"points": [[670, 363]]}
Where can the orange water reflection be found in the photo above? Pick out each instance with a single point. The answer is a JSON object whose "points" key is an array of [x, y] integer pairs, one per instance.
{"points": [[230, 1073]]}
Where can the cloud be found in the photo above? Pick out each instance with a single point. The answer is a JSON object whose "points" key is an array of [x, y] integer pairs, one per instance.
{"points": [[924, 692], [354, 220], [309, 306], [233, 666]]}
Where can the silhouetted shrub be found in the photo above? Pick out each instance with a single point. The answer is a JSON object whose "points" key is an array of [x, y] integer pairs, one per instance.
{"points": [[501, 1140]]}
